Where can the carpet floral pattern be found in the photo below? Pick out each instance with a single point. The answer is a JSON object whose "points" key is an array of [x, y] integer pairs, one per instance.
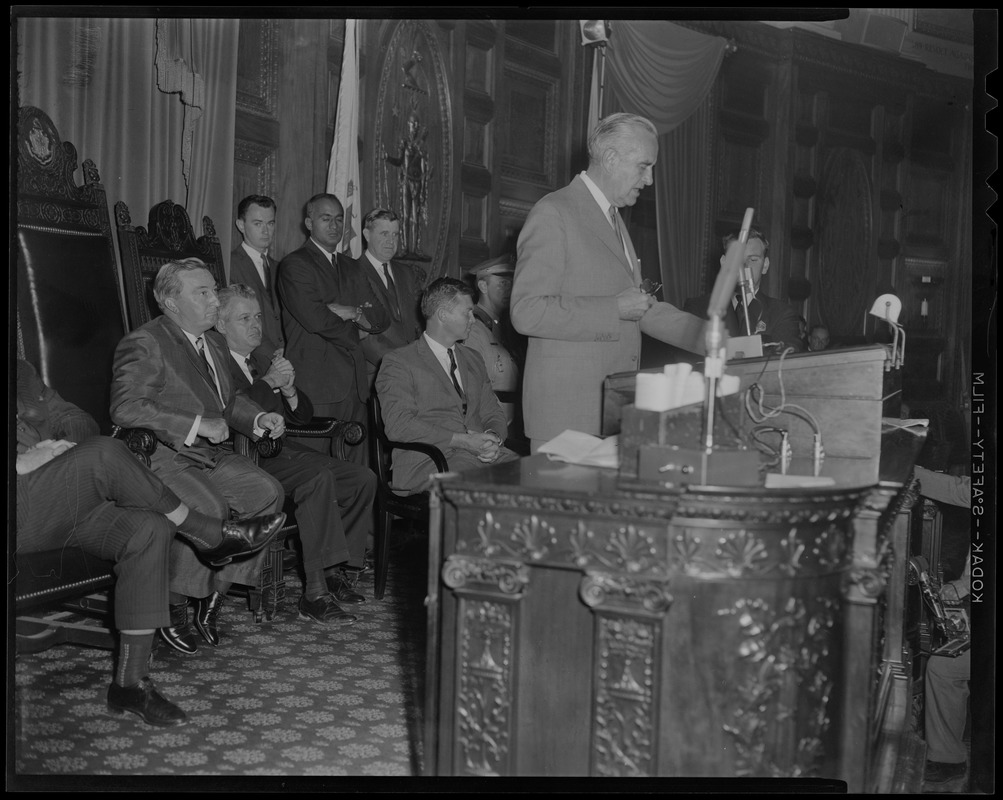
{"points": [[286, 697]]}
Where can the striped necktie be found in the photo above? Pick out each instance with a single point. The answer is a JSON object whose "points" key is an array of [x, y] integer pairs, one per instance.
{"points": [[456, 382], [200, 346]]}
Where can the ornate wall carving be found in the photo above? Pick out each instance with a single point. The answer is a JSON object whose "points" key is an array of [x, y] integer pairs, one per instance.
{"points": [[413, 147]]}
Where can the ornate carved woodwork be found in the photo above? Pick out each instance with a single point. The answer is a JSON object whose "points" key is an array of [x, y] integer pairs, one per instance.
{"points": [[413, 143]]}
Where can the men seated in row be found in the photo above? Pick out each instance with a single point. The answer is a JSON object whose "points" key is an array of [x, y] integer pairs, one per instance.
{"points": [[437, 391], [78, 489], [334, 498], [773, 319], [171, 376]]}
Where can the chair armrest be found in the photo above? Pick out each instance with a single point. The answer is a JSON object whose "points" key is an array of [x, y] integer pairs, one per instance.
{"points": [[342, 433], [265, 447], [429, 450], [141, 441]]}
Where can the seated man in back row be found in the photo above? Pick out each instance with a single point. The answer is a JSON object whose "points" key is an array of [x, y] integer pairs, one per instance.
{"points": [[334, 498], [437, 391], [774, 320]]}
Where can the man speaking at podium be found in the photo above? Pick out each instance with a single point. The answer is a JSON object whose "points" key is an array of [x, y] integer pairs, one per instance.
{"points": [[576, 292]]}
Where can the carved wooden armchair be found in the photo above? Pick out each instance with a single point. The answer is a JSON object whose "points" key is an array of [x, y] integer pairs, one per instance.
{"points": [[69, 321], [389, 502], [169, 236]]}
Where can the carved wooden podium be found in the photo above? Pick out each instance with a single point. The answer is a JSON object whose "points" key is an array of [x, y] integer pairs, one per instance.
{"points": [[577, 628]]}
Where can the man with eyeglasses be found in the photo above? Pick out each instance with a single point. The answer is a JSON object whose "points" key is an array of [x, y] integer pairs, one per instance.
{"points": [[773, 319]]}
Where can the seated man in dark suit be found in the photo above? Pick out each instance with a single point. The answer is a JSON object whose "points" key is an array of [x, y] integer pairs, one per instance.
{"points": [[78, 489], [437, 391], [774, 320], [252, 265], [171, 375], [334, 499]]}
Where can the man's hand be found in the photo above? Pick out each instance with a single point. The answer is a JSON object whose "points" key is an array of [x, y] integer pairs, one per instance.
{"points": [[41, 454], [632, 303], [486, 446], [215, 430], [273, 422], [347, 313], [280, 373]]}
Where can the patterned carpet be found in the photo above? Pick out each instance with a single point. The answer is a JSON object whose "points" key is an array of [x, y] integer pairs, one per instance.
{"points": [[281, 698]]}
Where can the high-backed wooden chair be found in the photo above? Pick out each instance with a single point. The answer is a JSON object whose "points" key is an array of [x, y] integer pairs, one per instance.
{"points": [[169, 236], [69, 320], [389, 502]]}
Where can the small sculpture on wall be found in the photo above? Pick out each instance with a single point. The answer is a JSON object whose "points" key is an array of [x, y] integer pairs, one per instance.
{"points": [[414, 170]]}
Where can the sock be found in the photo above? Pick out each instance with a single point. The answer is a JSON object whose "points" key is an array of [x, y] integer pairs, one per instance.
{"points": [[316, 584], [133, 658], [201, 530]]}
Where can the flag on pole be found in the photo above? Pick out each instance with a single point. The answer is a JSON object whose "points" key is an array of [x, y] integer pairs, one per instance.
{"points": [[343, 168]]}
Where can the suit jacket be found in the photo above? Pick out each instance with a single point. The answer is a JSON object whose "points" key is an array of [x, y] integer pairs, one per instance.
{"points": [[242, 270], [161, 382], [323, 347], [263, 394], [776, 321], [406, 326], [569, 271], [420, 404]]}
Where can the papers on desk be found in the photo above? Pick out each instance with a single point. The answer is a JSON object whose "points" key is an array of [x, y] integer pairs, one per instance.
{"points": [[574, 447], [774, 480]]}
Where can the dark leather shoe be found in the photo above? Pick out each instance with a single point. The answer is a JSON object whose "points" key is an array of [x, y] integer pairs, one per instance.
{"points": [[325, 611], [144, 700], [207, 617], [341, 588], [243, 538], [180, 635]]}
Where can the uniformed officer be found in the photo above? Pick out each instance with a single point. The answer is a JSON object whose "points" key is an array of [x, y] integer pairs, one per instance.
{"points": [[494, 338]]}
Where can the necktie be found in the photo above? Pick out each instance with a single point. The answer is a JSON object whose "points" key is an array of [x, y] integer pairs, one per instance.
{"points": [[267, 269], [200, 346], [392, 290], [252, 369], [614, 217], [456, 382]]}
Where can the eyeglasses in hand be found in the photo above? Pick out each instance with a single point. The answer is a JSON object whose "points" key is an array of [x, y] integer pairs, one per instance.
{"points": [[651, 287]]}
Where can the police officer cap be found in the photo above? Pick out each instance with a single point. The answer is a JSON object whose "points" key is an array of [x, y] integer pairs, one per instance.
{"points": [[501, 265]]}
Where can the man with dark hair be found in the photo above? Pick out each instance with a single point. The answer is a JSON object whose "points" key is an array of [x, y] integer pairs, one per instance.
{"points": [[334, 499], [774, 320], [170, 376], [78, 489], [252, 265], [577, 287], [437, 391], [394, 287], [323, 327]]}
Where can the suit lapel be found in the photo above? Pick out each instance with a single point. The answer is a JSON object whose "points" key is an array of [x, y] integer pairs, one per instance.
{"points": [[199, 365], [432, 364], [589, 210]]}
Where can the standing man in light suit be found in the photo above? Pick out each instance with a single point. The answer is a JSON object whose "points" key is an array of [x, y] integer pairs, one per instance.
{"points": [[576, 292], [252, 265]]}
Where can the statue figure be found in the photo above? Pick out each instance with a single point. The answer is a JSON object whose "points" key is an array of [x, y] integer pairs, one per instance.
{"points": [[414, 170]]}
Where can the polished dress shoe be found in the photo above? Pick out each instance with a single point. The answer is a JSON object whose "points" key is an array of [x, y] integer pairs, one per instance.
{"points": [[180, 635], [144, 700], [243, 538], [325, 611], [207, 617], [340, 586]]}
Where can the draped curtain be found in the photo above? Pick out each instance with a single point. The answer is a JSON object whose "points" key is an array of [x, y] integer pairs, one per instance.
{"points": [[151, 104], [665, 72]]}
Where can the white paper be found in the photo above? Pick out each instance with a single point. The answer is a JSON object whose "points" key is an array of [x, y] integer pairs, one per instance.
{"points": [[574, 447]]}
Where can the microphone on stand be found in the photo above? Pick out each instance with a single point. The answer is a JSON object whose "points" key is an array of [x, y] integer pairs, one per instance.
{"points": [[720, 298]]}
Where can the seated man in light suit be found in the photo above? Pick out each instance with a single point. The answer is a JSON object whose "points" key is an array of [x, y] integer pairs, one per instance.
{"points": [[78, 489], [437, 391], [334, 499], [773, 319], [252, 265], [171, 376]]}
